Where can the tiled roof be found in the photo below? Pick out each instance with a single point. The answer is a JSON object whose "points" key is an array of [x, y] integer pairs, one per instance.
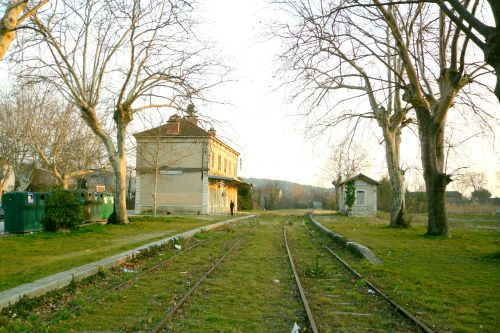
{"points": [[186, 128], [361, 176]]}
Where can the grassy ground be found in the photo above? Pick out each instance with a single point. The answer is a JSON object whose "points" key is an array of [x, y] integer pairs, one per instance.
{"points": [[25, 258], [252, 291], [242, 295], [452, 284]]}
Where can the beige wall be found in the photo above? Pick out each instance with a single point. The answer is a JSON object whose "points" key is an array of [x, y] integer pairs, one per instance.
{"points": [[223, 160], [180, 187], [183, 185], [220, 195], [171, 153]]}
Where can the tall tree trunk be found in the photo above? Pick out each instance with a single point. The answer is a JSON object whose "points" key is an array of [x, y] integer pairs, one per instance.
{"points": [[155, 191], [392, 138], [65, 182], [431, 137], [9, 23], [120, 170]]}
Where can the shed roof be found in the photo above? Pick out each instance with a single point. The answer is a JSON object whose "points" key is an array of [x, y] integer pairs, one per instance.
{"points": [[360, 176]]}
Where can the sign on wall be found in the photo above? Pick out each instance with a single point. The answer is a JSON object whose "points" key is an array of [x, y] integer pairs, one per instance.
{"points": [[171, 172]]}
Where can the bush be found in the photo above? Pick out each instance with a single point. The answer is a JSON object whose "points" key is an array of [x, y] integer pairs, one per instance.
{"points": [[62, 211]]}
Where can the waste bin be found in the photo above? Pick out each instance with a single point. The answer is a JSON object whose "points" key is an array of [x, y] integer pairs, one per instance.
{"points": [[97, 206], [20, 212], [40, 198], [108, 203], [85, 198]]}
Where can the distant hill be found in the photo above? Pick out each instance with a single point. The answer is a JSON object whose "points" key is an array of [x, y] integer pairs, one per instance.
{"points": [[284, 185], [277, 194]]}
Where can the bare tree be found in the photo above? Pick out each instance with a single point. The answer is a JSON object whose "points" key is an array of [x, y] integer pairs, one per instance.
{"points": [[16, 11], [6, 174], [115, 58], [476, 180], [14, 151], [333, 51], [346, 160], [434, 56], [429, 68], [66, 148], [61, 145], [464, 15]]}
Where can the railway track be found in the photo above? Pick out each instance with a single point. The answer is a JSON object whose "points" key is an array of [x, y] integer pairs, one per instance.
{"points": [[172, 310], [343, 306], [223, 280], [310, 316]]}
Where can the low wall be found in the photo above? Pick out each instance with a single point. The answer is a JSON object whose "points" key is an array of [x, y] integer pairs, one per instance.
{"points": [[357, 249]]}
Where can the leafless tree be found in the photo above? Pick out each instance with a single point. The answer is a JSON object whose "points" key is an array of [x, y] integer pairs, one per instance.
{"points": [[344, 53], [429, 72], [66, 148], [19, 157], [115, 58], [60, 145], [434, 56], [6, 174], [464, 14], [346, 160], [476, 180], [15, 13]]}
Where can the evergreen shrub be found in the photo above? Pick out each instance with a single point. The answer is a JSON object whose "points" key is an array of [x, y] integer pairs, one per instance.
{"points": [[62, 211]]}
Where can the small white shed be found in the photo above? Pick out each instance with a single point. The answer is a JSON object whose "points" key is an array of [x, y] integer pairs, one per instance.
{"points": [[366, 196]]}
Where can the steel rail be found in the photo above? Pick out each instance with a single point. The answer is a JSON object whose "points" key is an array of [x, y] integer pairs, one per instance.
{"points": [[152, 268], [398, 307], [299, 285], [169, 313]]}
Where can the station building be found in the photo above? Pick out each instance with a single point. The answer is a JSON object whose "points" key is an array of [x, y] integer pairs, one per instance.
{"points": [[187, 169]]}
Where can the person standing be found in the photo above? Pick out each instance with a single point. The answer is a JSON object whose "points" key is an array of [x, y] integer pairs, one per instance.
{"points": [[231, 207]]}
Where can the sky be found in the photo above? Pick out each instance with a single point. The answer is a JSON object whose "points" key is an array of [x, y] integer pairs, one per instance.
{"points": [[264, 126], [257, 118]]}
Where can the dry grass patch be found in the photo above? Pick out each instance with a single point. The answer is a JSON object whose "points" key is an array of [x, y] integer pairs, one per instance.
{"points": [[451, 284]]}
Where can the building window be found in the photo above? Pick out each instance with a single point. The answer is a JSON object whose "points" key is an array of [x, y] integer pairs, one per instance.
{"points": [[360, 198], [230, 167], [225, 165], [219, 164], [212, 159]]}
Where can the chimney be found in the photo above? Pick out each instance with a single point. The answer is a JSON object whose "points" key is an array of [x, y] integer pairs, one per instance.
{"points": [[212, 132], [174, 124], [193, 119], [191, 115]]}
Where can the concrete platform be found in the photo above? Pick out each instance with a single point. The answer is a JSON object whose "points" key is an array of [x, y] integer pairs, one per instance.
{"points": [[355, 248], [62, 279]]}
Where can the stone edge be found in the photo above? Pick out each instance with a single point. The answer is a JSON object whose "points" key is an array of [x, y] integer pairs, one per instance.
{"points": [[60, 280], [357, 249]]}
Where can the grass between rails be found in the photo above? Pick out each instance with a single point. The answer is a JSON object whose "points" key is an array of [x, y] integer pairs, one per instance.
{"points": [[252, 291], [451, 284], [339, 301], [25, 258]]}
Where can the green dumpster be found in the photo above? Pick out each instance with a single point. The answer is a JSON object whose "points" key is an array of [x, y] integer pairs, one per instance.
{"points": [[108, 203], [40, 197], [85, 198], [97, 207], [20, 212]]}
